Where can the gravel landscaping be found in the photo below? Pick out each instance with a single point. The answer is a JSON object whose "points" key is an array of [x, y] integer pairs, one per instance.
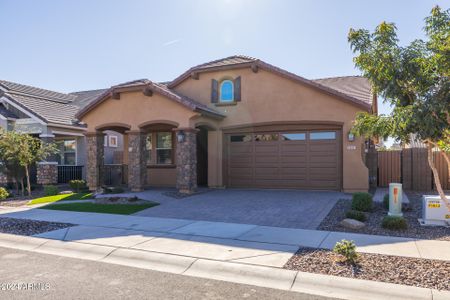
{"points": [[374, 218], [28, 227], [424, 273]]}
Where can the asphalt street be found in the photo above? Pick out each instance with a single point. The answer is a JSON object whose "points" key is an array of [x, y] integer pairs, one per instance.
{"points": [[28, 275]]}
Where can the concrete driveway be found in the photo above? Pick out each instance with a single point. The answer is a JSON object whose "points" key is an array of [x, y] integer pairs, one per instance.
{"points": [[279, 208]]}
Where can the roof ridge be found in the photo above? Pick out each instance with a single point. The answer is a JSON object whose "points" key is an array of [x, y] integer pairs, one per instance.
{"points": [[335, 77], [73, 93]]}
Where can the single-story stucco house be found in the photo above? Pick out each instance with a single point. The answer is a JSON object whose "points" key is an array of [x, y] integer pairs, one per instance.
{"points": [[232, 122]]}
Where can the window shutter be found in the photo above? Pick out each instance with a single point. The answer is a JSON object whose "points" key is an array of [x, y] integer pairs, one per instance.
{"points": [[237, 89], [214, 91]]}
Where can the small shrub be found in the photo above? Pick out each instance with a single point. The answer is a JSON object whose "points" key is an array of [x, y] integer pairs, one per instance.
{"points": [[356, 215], [347, 249], [3, 193], [77, 185], [386, 201], [50, 190], [113, 190], [362, 202], [394, 223]]}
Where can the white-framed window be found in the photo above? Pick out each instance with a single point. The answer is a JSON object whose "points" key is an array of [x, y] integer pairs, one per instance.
{"points": [[67, 154], [226, 91], [159, 148], [113, 141]]}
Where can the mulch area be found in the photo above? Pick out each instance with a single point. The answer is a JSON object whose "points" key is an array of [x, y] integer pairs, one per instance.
{"points": [[417, 272], [374, 218], [28, 227]]}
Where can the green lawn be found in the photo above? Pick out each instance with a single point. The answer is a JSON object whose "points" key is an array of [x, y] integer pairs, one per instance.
{"points": [[120, 209], [65, 197]]}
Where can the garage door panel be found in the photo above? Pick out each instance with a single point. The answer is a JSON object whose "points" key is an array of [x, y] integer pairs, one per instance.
{"points": [[295, 161]]}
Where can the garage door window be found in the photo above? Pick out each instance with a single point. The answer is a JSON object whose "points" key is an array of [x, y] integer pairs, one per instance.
{"points": [[323, 135], [293, 136], [240, 138], [266, 137]]}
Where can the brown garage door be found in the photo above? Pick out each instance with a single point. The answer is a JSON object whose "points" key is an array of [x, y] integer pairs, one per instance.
{"points": [[301, 159]]}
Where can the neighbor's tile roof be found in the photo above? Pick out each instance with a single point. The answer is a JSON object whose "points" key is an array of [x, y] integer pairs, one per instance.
{"points": [[354, 86], [83, 98], [49, 106]]}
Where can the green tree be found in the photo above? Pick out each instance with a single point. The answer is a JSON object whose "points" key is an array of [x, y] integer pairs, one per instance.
{"points": [[19, 149], [414, 79]]}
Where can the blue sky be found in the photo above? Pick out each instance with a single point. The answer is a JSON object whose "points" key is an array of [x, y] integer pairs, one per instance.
{"points": [[79, 45]]}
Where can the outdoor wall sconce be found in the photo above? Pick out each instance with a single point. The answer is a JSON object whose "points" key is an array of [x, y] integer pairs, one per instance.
{"points": [[351, 137], [181, 136]]}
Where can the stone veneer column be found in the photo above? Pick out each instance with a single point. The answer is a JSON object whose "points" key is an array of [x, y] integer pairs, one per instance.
{"points": [[186, 160], [47, 171], [95, 160], [137, 169]]}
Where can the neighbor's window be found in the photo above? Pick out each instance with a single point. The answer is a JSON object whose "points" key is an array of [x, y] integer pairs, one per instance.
{"points": [[293, 136], [113, 141], [323, 135], [67, 152], [164, 148], [226, 91]]}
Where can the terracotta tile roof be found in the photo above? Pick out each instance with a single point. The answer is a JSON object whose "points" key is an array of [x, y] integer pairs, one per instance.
{"points": [[354, 86], [160, 88], [347, 91]]}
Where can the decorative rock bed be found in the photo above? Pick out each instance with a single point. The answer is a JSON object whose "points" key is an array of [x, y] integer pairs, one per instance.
{"points": [[425, 273], [373, 223], [119, 200], [29, 227]]}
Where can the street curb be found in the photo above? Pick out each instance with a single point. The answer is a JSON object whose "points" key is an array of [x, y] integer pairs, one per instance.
{"points": [[308, 283]]}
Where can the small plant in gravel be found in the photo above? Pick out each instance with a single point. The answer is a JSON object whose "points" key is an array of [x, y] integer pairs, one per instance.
{"points": [[3, 193], [50, 190], [77, 185], [394, 223], [362, 202], [348, 250], [386, 201], [356, 215]]}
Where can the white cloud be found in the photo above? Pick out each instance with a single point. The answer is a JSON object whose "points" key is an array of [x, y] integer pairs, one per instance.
{"points": [[171, 42]]}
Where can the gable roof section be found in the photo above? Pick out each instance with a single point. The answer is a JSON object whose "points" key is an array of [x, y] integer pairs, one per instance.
{"points": [[355, 86], [160, 88], [353, 93], [83, 98], [48, 106]]}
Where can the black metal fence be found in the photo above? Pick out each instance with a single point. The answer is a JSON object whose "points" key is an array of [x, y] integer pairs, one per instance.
{"points": [[115, 174], [67, 173]]}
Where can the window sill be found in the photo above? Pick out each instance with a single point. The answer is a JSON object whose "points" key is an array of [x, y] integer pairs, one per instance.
{"points": [[226, 103], [161, 166]]}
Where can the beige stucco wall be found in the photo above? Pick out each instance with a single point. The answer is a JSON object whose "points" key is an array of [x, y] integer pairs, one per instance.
{"points": [[134, 108], [267, 97]]}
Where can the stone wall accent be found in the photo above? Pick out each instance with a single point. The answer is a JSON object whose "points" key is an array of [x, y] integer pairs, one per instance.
{"points": [[186, 159], [137, 169], [47, 173], [94, 163]]}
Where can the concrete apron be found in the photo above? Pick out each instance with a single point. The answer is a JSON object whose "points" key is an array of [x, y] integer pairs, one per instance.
{"points": [[264, 276]]}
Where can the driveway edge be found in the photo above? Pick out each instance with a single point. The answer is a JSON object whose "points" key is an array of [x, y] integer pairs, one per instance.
{"points": [[308, 283]]}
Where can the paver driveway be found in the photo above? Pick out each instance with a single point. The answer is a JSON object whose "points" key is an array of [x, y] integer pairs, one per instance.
{"points": [[280, 208]]}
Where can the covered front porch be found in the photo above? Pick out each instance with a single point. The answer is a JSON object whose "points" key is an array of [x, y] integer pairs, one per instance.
{"points": [[166, 142]]}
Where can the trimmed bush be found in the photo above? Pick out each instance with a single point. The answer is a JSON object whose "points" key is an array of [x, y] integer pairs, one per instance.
{"points": [[50, 190], [113, 190], [356, 215], [362, 202], [347, 249], [386, 201], [394, 223], [3, 193], [77, 185]]}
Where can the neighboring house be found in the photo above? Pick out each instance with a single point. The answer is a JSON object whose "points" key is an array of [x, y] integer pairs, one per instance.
{"points": [[233, 122], [50, 116]]}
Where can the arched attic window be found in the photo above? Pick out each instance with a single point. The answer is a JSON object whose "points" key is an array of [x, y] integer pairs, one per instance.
{"points": [[226, 93]]}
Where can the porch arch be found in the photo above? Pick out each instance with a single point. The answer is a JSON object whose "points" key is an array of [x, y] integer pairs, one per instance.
{"points": [[115, 126]]}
